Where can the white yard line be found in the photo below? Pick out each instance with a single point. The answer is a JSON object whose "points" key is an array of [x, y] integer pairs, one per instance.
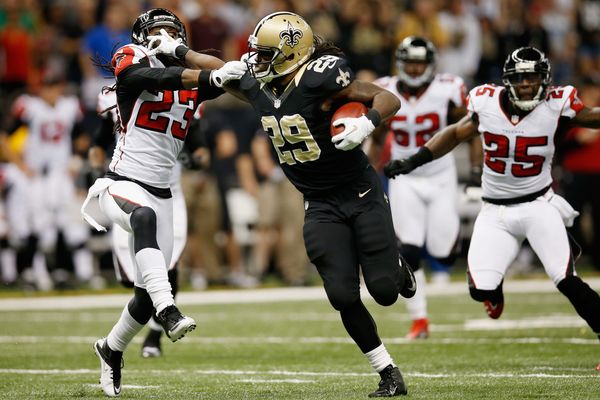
{"points": [[252, 296], [88, 340], [317, 374]]}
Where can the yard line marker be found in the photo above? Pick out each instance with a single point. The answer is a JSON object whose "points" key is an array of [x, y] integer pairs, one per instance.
{"points": [[499, 375], [309, 340]]}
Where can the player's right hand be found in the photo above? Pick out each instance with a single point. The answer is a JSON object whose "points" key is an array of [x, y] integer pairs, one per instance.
{"points": [[398, 167], [163, 44], [229, 71]]}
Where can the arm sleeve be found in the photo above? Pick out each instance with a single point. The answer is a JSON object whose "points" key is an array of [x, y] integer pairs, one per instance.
{"points": [[139, 77]]}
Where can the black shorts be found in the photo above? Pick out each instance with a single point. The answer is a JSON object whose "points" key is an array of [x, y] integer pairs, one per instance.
{"points": [[352, 227]]}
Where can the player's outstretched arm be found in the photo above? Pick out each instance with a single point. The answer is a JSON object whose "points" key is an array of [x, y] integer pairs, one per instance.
{"points": [[440, 144], [587, 118]]}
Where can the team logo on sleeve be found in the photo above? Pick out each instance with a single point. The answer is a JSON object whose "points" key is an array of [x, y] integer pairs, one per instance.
{"points": [[118, 59], [290, 35], [343, 78]]}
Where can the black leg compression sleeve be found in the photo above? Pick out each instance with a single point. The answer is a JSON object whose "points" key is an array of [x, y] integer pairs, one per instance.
{"points": [[360, 326], [585, 300], [448, 261], [495, 296], [412, 255], [143, 223], [173, 281], [140, 306]]}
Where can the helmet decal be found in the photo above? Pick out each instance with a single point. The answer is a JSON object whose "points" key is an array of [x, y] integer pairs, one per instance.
{"points": [[291, 36]]}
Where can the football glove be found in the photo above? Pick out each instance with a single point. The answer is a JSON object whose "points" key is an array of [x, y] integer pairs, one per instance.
{"points": [[165, 44], [355, 131], [229, 71], [398, 167], [406, 165]]}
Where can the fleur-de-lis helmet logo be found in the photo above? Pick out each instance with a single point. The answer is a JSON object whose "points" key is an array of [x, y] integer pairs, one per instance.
{"points": [[290, 35]]}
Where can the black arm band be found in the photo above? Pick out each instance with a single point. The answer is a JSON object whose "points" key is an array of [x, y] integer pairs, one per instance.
{"points": [[423, 156], [204, 78], [181, 51], [374, 116]]}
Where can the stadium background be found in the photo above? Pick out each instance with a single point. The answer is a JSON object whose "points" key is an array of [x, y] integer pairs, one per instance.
{"points": [[59, 38]]}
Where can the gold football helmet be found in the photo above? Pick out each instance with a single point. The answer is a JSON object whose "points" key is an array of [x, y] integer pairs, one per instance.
{"points": [[280, 44]]}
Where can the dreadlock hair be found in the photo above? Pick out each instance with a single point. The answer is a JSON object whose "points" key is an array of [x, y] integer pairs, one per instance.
{"points": [[325, 47]]}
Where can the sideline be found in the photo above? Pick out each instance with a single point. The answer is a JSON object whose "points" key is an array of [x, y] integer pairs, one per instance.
{"points": [[242, 296]]}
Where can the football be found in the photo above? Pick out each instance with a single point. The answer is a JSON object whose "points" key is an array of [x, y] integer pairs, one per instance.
{"points": [[349, 110]]}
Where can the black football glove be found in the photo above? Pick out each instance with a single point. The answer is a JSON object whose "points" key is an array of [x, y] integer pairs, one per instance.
{"points": [[406, 165], [398, 167]]}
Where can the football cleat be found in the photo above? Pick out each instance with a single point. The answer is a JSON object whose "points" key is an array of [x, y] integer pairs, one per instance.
{"points": [[175, 324], [410, 283], [111, 363], [391, 383], [151, 346], [419, 329], [494, 311]]}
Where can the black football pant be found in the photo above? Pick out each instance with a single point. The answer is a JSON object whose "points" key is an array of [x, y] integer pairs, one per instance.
{"points": [[349, 227]]}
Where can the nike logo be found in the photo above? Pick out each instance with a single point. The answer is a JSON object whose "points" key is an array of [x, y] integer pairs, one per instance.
{"points": [[362, 194]]}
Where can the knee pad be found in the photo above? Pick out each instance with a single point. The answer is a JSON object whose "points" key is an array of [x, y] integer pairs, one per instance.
{"points": [[412, 255], [495, 296], [141, 307], [143, 224]]}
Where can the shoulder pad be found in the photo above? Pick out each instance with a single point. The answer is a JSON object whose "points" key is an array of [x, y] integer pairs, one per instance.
{"points": [[330, 73], [565, 99], [480, 95], [126, 56]]}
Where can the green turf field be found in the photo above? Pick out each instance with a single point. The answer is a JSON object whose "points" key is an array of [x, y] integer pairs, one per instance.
{"points": [[539, 349]]}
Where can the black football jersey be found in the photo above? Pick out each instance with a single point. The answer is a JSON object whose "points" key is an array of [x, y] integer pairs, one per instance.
{"points": [[300, 131]]}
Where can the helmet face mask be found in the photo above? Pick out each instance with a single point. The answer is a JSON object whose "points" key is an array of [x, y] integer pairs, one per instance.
{"points": [[526, 75], [415, 61], [156, 17], [279, 45]]}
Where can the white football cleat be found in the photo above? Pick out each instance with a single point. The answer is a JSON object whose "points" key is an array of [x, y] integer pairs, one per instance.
{"points": [[111, 363]]}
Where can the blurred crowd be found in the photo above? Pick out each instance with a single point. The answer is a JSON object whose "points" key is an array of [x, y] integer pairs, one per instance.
{"points": [[244, 218]]}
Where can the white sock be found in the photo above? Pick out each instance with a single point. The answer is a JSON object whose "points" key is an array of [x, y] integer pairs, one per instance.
{"points": [[8, 258], [155, 326], [153, 269], [417, 305], [123, 332], [379, 358], [84, 264]]}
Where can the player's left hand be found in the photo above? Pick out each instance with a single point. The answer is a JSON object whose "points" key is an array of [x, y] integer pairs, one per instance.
{"points": [[355, 131], [163, 44], [229, 71]]}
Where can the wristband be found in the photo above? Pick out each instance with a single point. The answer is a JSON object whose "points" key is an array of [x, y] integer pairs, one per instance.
{"points": [[423, 156], [204, 78], [374, 116], [181, 51]]}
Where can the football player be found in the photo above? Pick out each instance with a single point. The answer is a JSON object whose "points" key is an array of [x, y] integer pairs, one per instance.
{"points": [[44, 199], [518, 125], [423, 202], [122, 262], [156, 100], [295, 82]]}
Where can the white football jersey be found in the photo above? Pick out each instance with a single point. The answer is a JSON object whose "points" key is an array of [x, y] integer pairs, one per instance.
{"points": [[106, 101], [419, 118], [518, 153], [153, 136], [48, 145]]}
